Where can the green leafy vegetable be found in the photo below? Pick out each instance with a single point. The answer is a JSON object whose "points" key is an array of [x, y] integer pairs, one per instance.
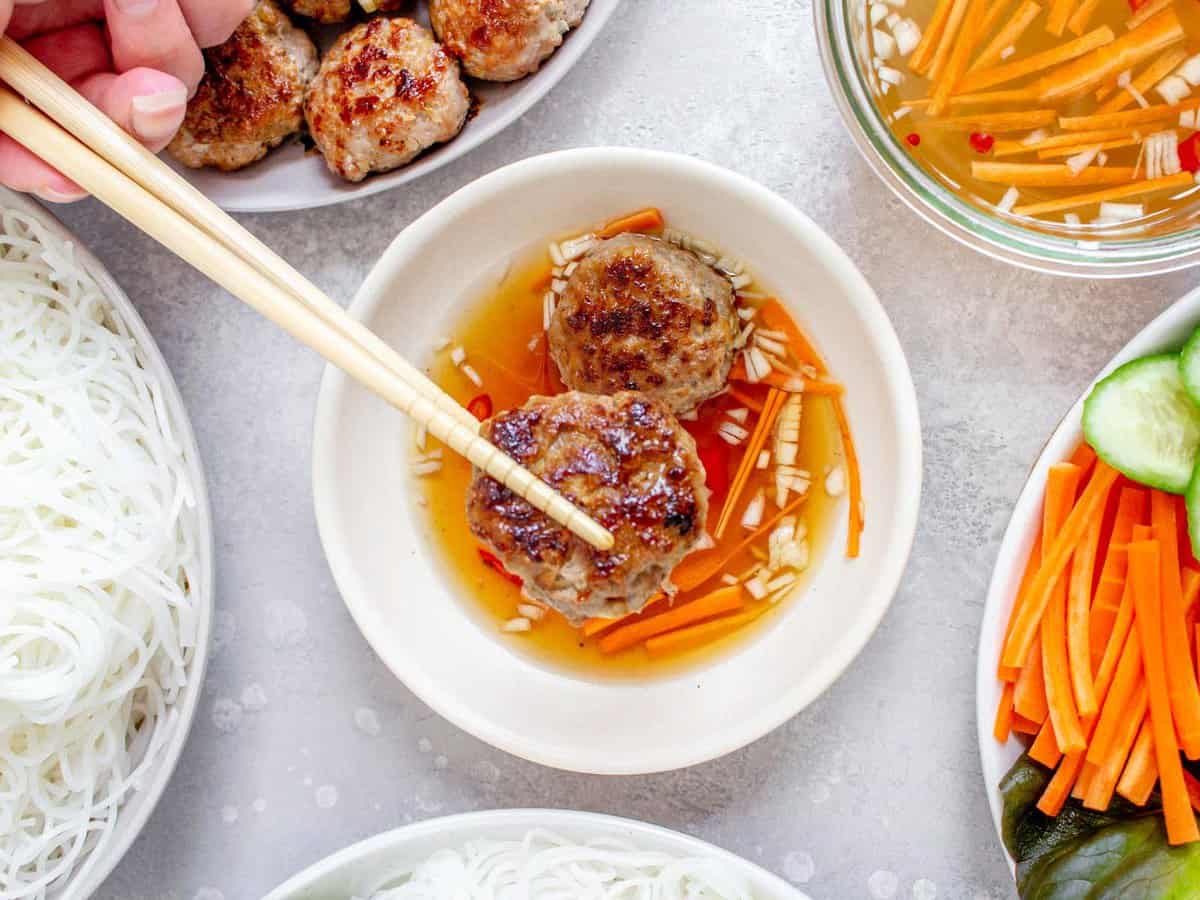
{"points": [[1085, 855]]}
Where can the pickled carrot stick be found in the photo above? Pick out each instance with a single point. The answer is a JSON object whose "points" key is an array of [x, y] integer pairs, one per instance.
{"points": [[1090, 504], [1181, 680], [1018, 95], [922, 57], [1145, 11], [1141, 771], [1037, 62], [1049, 174], [1007, 673], [1105, 61], [956, 64], [1029, 695], [1060, 13], [1079, 601], [995, 12], [1130, 118], [649, 219], [776, 318], [1066, 152], [1082, 16], [995, 122], [1150, 186], [1104, 780], [722, 600], [853, 479], [697, 635], [1145, 570], [1087, 138], [946, 44], [1008, 35], [741, 477], [1159, 68]]}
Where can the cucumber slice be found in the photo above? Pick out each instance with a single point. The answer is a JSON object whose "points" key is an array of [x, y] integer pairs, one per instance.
{"points": [[1189, 366], [1192, 502], [1141, 421]]}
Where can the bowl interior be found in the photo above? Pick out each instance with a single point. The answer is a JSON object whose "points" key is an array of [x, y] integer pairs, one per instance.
{"points": [[1167, 332], [358, 870], [385, 568], [138, 807]]}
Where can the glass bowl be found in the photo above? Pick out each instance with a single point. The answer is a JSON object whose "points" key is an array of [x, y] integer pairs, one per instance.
{"points": [[1106, 252]]}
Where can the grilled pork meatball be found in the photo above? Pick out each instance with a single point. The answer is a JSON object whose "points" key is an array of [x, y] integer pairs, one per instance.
{"points": [[640, 314], [252, 95], [503, 40], [385, 92], [624, 460], [331, 11]]}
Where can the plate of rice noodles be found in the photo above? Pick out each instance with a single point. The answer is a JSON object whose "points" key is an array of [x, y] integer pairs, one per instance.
{"points": [[535, 854], [105, 565]]}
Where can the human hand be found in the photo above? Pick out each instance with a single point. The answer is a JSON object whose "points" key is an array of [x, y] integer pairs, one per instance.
{"points": [[138, 60]]}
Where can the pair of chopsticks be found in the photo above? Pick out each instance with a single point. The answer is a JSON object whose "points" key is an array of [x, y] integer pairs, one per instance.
{"points": [[86, 146]]}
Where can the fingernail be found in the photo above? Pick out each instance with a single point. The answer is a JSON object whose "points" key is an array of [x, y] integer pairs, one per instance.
{"points": [[155, 117], [50, 195], [136, 7]]}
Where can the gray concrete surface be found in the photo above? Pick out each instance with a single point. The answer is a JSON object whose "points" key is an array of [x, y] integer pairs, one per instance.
{"points": [[881, 775]]}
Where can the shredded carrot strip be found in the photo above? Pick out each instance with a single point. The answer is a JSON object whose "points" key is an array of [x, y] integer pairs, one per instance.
{"points": [[1066, 152], [1132, 506], [996, 122], [1094, 499], [1083, 15], [1029, 698], [1145, 11], [593, 627], [854, 477], [958, 101], [995, 12], [1144, 574], [1103, 784], [1084, 139], [722, 600], [1130, 118], [699, 567], [1037, 62], [1079, 601], [1060, 12], [745, 399], [956, 65], [1124, 685], [649, 219], [922, 57], [1105, 61], [1166, 183], [697, 635], [1011, 673], [1002, 728], [946, 44], [1050, 174], [1141, 771], [1044, 748], [1181, 680], [776, 318], [1006, 36], [1159, 68], [762, 428]]}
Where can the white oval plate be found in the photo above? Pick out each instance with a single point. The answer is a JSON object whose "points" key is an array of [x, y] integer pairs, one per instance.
{"points": [[375, 536], [137, 809], [1167, 332], [291, 177], [358, 870]]}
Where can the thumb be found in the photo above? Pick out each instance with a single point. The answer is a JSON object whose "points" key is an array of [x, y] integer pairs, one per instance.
{"points": [[147, 103]]}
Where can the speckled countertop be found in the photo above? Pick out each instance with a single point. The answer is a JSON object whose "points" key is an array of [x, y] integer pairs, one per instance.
{"points": [[872, 792]]}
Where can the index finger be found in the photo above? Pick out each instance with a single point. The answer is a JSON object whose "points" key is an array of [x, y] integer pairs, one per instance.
{"points": [[213, 21]]}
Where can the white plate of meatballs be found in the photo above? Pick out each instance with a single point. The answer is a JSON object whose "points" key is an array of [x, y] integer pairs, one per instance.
{"points": [[376, 531], [313, 102]]}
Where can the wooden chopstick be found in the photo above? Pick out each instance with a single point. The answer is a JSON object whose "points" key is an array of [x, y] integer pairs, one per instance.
{"points": [[93, 173], [62, 103]]}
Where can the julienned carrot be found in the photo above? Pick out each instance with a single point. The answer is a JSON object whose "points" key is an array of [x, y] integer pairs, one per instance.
{"points": [[1121, 192], [1145, 10], [1105, 61], [995, 12], [762, 428], [696, 635], [922, 56], [1044, 748], [996, 122], [787, 381], [1006, 36], [745, 399], [1181, 679], [1084, 457], [1037, 62], [1002, 728], [1011, 673], [1067, 152], [1060, 12], [1029, 697], [703, 565], [649, 219], [593, 627], [718, 602], [1086, 138], [1050, 174], [1159, 68], [1082, 16], [1144, 574], [1079, 601], [941, 57], [1104, 780], [1090, 505], [1130, 118], [854, 480], [776, 318], [1124, 685], [1131, 510], [1141, 771], [959, 57]]}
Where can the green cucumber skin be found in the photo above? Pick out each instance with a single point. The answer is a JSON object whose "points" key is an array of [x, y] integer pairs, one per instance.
{"points": [[1191, 501], [1093, 430], [1189, 366]]}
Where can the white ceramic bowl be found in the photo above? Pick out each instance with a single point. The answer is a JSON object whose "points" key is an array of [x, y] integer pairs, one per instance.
{"points": [[1167, 332], [373, 532], [292, 177], [358, 870], [137, 809]]}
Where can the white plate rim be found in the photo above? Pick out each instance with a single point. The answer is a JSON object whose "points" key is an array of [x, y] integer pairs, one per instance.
{"points": [[89, 876], [1160, 333], [550, 819], [536, 87], [894, 558]]}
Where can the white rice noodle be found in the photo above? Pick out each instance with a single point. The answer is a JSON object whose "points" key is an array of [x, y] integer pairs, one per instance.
{"points": [[546, 866], [98, 544]]}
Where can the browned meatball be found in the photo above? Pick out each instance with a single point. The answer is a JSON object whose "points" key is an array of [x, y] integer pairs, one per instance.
{"points": [[331, 11], [252, 95], [386, 91], [503, 40], [639, 314], [625, 461]]}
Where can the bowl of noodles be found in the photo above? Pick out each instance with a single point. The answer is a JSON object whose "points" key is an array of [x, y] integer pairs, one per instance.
{"points": [[105, 565]]}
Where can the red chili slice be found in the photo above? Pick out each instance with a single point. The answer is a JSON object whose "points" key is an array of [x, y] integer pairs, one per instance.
{"points": [[914, 139], [715, 459], [481, 407], [491, 560], [1189, 153], [981, 142]]}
